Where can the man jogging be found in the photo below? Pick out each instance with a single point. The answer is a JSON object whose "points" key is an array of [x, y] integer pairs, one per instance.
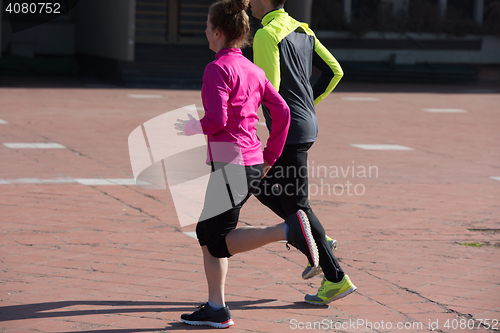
{"points": [[287, 50]]}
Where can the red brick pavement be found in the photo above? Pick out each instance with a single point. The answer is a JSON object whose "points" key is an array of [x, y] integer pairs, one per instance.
{"points": [[78, 258]]}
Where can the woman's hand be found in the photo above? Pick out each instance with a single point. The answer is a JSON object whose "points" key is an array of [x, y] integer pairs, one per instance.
{"points": [[181, 124], [265, 168]]}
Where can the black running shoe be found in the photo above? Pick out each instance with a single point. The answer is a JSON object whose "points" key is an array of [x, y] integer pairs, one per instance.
{"points": [[300, 236], [206, 316]]}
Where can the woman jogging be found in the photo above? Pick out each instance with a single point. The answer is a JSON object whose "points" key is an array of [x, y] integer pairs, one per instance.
{"points": [[233, 89]]}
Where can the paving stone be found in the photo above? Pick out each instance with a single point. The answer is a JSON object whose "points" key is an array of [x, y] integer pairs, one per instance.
{"points": [[80, 257]]}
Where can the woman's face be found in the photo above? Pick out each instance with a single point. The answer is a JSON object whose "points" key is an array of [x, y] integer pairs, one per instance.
{"points": [[211, 35]]}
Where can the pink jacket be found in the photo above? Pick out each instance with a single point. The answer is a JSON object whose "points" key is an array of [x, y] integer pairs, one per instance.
{"points": [[233, 89]]}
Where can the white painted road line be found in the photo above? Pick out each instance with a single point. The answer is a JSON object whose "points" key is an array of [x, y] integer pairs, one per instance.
{"points": [[58, 181], [496, 178], [446, 110], [261, 123], [88, 182], [109, 181], [360, 99], [36, 181], [106, 181], [191, 234], [27, 181], [3, 121], [200, 108], [94, 181], [146, 96], [34, 145], [381, 147]]}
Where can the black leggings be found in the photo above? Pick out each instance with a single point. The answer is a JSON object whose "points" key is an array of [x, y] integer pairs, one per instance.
{"points": [[228, 189], [285, 190]]}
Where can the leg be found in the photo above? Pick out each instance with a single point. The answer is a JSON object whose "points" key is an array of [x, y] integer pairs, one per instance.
{"points": [[244, 239], [212, 230], [293, 178], [215, 272], [268, 194], [327, 261]]}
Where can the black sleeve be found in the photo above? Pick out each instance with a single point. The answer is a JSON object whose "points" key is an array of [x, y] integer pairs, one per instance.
{"points": [[326, 75]]}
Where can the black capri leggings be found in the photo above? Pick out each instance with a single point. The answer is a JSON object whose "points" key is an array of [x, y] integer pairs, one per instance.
{"points": [[229, 187]]}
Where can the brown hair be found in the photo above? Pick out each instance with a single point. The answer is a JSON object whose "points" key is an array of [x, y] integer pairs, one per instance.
{"points": [[230, 17]]}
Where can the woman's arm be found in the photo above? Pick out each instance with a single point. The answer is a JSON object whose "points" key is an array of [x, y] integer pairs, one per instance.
{"points": [[215, 94]]}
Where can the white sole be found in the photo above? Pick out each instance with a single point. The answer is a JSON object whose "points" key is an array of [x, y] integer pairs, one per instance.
{"points": [[307, 232], [225, 324]]}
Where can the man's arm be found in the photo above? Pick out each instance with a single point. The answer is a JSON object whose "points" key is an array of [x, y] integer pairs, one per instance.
{"points": [[331, 72], [267, 56]]}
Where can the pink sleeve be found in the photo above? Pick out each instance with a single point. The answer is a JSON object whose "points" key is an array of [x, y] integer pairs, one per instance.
{"points": [[280, 115], [215, 94]]}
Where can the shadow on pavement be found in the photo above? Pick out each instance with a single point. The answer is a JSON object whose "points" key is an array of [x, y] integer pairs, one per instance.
{"points": [[50, 310]]}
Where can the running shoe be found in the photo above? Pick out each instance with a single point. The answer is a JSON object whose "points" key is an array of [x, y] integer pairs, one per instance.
{"points": [[300, 236], [309, 271], [206, 316], [330, 291]]}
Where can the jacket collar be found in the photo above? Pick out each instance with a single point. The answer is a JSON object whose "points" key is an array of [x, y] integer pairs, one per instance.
{"points": [[227, 50], [272, 15]]}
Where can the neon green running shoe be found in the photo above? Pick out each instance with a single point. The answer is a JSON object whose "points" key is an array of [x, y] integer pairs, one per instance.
{"points": [[310, 271], [330, 291]]}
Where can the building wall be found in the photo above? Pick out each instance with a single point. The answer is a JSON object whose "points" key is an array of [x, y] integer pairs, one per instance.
{"points": [[411, 48], [106, 28], [54, 38]]}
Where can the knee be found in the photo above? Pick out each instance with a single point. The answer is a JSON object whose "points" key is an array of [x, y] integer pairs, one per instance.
{"points": [[200, 234], [218, 248]]}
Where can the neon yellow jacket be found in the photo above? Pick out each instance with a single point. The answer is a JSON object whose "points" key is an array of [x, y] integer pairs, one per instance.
{"points": [[286, 50]]}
